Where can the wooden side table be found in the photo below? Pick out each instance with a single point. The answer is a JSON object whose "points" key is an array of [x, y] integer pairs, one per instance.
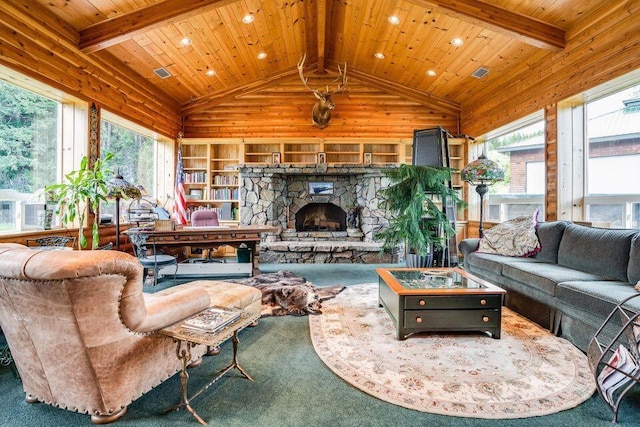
{"points": [[187, 338]]}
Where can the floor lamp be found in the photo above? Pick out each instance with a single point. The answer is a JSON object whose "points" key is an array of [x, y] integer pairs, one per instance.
{"points": [[121, 188], [482, 173]]}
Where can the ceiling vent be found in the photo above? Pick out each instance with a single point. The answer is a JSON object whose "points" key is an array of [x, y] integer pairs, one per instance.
{"points": [[480, 73], [162, 73]]}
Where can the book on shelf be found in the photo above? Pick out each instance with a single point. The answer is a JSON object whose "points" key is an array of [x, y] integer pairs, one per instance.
{"points": [[617, 372], [212, 319]]}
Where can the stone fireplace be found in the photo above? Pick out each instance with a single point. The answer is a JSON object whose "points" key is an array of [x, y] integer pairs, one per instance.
{"points": [[324, 213]]}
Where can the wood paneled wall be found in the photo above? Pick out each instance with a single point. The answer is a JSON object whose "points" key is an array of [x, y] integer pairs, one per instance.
{"points": [[35, 43], [605, 49], [284, 110]]}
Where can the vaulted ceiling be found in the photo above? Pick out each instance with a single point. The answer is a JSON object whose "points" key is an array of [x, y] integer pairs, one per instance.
{"points": [[502, 36]]}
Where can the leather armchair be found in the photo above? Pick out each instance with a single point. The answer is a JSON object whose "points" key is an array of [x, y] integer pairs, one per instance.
{"points": [[83, 333]]}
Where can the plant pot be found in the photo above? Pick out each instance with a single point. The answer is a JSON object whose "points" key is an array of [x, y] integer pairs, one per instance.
{"points": [[419, 261]]}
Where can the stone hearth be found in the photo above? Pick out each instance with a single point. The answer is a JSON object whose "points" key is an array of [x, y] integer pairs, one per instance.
{"points": [[276, 194]]}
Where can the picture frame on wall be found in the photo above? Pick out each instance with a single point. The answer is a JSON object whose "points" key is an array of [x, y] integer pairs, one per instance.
{"points": [[275, 158], [322, 158], [368, 158], [319, 188]]}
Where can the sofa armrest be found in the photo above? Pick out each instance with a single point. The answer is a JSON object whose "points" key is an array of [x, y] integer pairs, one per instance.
{"points": [[469, 245], [165, 310]]}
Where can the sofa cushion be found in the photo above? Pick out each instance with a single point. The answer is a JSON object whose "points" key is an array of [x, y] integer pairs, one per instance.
{"points": [[516, 237], [598, 297], [544, 276], [550, 234], [492, 262], [602, 251], [633, 269]]}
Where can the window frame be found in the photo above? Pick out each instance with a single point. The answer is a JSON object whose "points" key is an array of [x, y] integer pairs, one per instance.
{"points": [[573, 155], [502, 200]]}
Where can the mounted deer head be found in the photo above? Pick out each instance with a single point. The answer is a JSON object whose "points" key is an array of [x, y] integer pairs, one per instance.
{"points": [[321, 113]]}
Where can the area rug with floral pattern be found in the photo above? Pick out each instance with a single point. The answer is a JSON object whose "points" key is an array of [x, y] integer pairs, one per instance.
{"points": [[526, 373]]}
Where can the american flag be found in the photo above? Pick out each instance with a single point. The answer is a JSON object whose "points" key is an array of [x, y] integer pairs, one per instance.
{"points": [[180, 206]]}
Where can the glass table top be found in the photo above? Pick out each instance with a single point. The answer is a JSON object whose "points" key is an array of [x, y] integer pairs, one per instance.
{"points": [[433, 279]]}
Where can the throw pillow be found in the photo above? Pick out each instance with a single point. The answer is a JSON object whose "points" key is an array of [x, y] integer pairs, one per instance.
{"points": [[516, 237]]}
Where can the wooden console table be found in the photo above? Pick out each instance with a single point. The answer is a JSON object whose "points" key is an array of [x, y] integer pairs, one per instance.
{"points": [[207, 237]]}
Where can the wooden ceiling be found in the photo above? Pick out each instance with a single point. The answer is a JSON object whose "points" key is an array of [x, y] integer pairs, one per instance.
{"points": [[503, 36]]}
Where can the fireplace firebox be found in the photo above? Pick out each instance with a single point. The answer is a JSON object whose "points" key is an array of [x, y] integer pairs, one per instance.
{"points": [[321, 217]]}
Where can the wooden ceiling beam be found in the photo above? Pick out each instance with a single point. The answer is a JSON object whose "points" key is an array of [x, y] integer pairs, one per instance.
{"points": [[323, 17], [526, 29], [221, 97], [112, 31]]}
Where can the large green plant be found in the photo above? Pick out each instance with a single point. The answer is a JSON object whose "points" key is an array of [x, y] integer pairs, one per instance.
{"points": [[415, 198], [82, 188]]}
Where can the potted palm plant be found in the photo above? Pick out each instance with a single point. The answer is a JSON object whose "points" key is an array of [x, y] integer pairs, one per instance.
{"points": [[415, 198], [82, 188]]}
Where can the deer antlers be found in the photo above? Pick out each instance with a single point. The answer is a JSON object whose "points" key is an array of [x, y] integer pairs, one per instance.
{"points": [[342, 77], [321, 113]]}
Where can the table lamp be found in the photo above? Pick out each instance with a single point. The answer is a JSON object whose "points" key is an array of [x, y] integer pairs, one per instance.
{"points": [[482, 173], [121, 188]]}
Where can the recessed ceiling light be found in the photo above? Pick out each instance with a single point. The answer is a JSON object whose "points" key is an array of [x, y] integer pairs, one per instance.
{"points": [[457, 42], [248, 19], [211, 73], [394, 20], [431, 73], [379, 55], [185, 41], [262, 55]]}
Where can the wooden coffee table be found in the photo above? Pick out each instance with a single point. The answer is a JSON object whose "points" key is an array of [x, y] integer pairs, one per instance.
{"points": [[439, 299]]}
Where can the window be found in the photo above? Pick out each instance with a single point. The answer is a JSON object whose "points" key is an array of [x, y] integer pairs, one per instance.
{"points": [[613, 159], [134, 156], [519, 150], [30, 146]]}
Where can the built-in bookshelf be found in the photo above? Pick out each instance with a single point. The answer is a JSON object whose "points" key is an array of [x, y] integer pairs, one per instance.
{"points": [[211, 176]]}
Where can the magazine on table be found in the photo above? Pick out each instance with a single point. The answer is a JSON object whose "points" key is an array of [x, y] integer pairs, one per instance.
{"points": [[612, 376], [212, 319]]}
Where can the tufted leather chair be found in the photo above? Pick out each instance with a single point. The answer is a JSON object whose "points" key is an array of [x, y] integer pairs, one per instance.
{"points": [[83, 334]]}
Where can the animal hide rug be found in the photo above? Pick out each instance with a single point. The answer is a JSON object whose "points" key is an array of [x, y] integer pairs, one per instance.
{"points": [[286, 293]]}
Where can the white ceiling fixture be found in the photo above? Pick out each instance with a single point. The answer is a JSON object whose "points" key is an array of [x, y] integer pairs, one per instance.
{"points": [[211, 73], [185, 41], [379, 55], [457, 42], [262, 55], [248, 19], [394, 20], [431, 73]]}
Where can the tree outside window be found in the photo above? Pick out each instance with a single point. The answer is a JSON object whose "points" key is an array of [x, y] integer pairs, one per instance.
{"points": [[134, 158], [29, 154]]}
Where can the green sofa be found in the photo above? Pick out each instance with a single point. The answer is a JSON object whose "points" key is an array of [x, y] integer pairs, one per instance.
{"points": [[571, 285]]}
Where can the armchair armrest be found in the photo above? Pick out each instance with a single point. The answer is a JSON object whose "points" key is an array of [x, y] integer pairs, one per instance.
{"points": [[469, 245], [166, 309]]}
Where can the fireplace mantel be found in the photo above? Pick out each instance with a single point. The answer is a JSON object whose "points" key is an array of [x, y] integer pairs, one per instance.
{"points": [[319, 169]]}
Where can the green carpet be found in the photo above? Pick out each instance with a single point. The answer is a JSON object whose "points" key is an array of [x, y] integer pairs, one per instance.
{"points": [[292, 386]]}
